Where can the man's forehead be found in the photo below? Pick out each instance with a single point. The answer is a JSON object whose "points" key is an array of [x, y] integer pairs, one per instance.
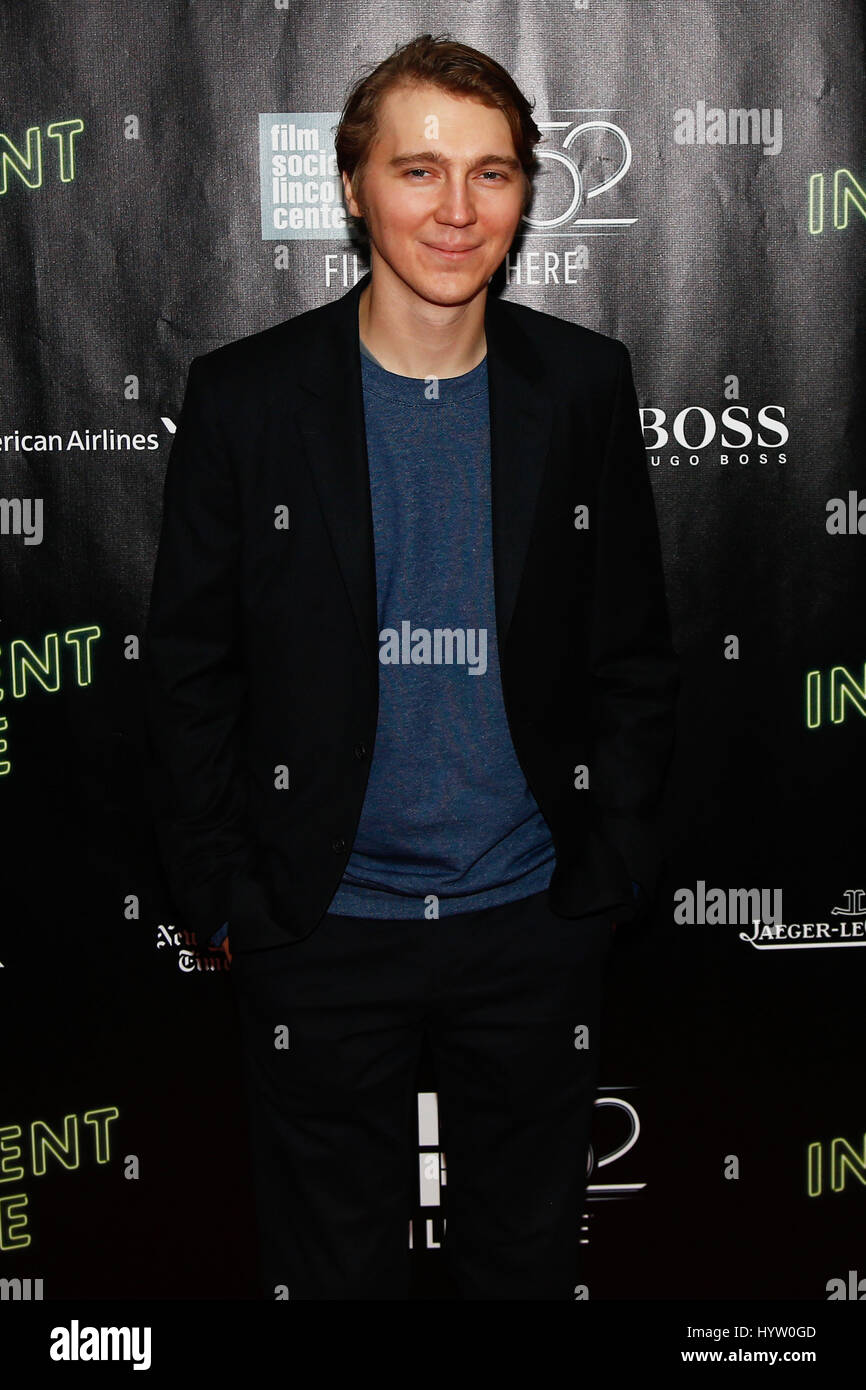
{"points": [[405, 112]]}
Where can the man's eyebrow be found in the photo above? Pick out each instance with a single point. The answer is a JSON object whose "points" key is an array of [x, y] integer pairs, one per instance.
{"points": [[436, 157]]}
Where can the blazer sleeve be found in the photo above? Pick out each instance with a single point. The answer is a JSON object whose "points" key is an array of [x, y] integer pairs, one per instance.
{"points": [[193, 673], [635, 671]]}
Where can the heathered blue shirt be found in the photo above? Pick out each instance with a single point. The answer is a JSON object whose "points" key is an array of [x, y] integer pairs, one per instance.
{"points": [[447, 810]]}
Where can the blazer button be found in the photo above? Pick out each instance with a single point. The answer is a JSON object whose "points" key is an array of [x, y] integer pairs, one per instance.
{"points": [[338, 845], [360, 750]]}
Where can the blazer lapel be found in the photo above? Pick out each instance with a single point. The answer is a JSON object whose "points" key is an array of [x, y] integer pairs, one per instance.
{"points": [[332, 426]]}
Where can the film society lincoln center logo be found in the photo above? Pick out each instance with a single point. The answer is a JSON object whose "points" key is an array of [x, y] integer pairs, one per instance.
{"points": [[301, 192]]}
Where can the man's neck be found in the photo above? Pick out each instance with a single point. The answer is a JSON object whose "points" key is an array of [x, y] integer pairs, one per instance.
{"points": [[413, 338]]}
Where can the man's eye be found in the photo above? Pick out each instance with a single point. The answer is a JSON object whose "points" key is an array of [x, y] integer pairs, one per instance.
{"points": [[495, 172]]}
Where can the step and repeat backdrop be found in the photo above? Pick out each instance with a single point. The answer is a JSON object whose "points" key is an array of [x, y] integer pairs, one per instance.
{"points": [[168, 184]]}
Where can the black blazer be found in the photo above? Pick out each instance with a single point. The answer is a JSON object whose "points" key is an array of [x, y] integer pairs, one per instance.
{"points": [[261, 648]]}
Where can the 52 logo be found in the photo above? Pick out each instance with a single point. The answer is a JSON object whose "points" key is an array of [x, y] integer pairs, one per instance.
{"points": [[583, 147]]}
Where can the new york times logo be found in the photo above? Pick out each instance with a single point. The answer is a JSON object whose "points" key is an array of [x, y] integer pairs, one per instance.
{"points": [[438, 646]]}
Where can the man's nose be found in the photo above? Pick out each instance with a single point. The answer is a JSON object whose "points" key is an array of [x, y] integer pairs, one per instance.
{"points": [[456, 204]]}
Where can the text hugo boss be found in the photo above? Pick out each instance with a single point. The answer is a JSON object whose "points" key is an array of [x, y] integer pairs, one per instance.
{"points": [[734, 418]]}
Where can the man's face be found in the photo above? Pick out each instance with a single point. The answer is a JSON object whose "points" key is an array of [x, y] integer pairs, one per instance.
{"points": [[442, 173]]}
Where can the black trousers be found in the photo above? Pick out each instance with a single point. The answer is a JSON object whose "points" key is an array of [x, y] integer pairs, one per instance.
{"points": [[331, 1029]]}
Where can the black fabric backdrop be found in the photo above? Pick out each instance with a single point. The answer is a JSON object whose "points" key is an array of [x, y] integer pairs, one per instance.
{"points": [[728, 1153]]}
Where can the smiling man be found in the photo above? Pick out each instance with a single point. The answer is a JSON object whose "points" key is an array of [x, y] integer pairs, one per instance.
{"points": [[442, 192], [411, 698]]}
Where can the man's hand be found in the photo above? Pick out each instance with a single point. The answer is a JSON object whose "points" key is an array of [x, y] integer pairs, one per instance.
{"points": [[222, 944]]}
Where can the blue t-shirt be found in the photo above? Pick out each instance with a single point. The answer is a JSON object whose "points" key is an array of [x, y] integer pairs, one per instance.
{"points": [[447, 810]]}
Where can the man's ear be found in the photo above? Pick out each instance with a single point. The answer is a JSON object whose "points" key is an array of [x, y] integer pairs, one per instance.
{"points": [[351, 203]]}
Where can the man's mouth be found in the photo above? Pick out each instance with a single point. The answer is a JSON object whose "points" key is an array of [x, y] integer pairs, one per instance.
{"points": [[451, 253]]}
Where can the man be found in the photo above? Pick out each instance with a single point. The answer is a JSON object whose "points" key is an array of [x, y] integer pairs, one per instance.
{"points": [[411, 692]]}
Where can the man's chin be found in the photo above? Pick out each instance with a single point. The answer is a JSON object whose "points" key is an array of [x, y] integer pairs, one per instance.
{"points": [[450, 286]]}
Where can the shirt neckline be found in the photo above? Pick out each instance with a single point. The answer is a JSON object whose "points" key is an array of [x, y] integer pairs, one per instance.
{"points": [[411, 389]]}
